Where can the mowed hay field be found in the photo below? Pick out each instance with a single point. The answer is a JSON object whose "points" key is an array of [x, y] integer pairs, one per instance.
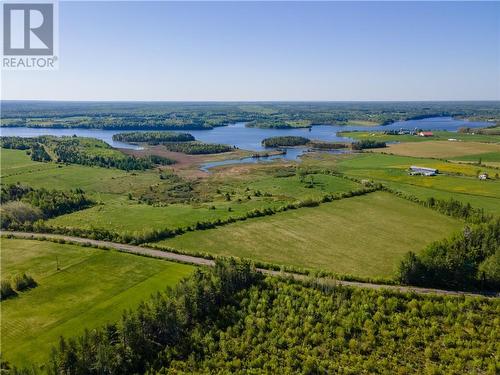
{"points": [[441, 149], [363, 236], [91, 288]]}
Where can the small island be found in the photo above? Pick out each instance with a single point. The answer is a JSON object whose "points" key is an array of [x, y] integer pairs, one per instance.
{"points": [[286, 141], [153, 137]]}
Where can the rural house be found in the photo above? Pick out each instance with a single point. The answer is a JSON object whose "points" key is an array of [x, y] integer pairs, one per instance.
{"points": [[426, 134]]}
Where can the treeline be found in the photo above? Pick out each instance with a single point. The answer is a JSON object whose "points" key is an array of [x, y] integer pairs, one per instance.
{"points": [[450, 207], [69, 151], [83, 151], [285, 141], [186, 116], [455, 208], [467, 261], [367, 143], [153, 138], [278, 124], [231, 320], [197, 148], [33, 146], [327, 145], [21, 204], [490, 130]]}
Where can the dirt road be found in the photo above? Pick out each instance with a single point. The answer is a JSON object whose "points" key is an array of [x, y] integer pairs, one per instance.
{"points": [[167, 255]]}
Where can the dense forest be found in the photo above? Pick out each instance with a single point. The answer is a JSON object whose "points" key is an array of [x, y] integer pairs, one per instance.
{"points": [[190, 116], [21, 204], [468, 260], [84, 151], [197, 148], [153, 138], [231, 319], [285, 141]]}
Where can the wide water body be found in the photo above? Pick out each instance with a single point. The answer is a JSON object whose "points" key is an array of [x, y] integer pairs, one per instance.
{"points": [[250, 138]]}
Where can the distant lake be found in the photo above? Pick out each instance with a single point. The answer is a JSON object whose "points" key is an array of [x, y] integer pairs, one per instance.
{"points": [[250, 138]]}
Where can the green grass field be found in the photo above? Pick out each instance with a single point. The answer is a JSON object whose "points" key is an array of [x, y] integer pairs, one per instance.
{"points": [[442, 149], [438, 135], [362, 236], [293, 188], [16, 166], [91, 288], [458, 181], [129, 216], [488, 158]]}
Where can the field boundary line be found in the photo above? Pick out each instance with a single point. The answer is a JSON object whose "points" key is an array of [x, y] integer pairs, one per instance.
{"points": [[195, 260]]}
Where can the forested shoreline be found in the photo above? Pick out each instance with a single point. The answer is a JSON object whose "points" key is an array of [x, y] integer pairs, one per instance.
{"points": [[199, 116], [82, 151]]}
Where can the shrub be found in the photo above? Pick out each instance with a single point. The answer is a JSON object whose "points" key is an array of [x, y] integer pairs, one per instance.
{"points": [[23, 282], [6, 290], [367, 143], [17, 212]]}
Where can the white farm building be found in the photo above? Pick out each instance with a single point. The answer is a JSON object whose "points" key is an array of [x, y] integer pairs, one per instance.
{"points": [[422, 171]]}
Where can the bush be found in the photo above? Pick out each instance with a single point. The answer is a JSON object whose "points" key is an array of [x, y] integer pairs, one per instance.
{"points": [[23, 282], [490, 268], [6, 290], [367, 143], [16, 212]]}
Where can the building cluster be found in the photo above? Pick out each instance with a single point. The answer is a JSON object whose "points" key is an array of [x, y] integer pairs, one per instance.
{"points": [[402, 131]]}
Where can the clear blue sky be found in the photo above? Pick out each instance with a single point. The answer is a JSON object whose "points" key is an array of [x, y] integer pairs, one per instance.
{"points": [[270, 51]]}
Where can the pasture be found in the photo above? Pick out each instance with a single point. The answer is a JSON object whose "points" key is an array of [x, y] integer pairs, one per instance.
{"points": [[91, 287], [363, 236], [16, 166], [123, 215], [454, 178], [441, 149], [438, 136], [488, 158]]}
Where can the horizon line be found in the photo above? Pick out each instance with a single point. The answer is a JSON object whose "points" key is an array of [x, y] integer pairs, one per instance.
{"points": [[250, 101]]}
